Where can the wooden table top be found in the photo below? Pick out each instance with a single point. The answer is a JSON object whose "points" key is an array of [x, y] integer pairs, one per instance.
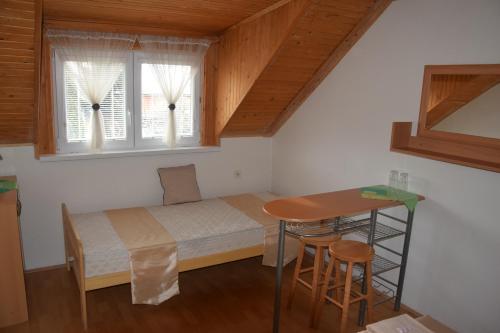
{"points": [[316, 207]]}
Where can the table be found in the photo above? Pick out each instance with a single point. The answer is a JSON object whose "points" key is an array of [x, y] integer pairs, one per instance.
{"points": [[331, 205]]}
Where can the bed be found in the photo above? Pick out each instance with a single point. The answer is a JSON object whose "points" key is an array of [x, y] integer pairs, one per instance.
{"points": [[208, 232]]}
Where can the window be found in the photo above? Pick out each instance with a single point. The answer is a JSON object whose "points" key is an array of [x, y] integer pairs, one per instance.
{"points": [[135, 112], [151, 121]]}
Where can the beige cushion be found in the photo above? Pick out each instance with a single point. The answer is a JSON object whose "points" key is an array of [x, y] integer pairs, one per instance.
{"points": [[179, 184]]}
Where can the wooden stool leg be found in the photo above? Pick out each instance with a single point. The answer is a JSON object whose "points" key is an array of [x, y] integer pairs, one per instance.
{"points": [[317, 270], [347, 299], [369, 291], [336, 293], [296, 273], [324, 289]]}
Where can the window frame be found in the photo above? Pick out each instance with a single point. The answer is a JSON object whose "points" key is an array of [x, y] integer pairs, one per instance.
{"points": [[63, 146], [133, 104]]}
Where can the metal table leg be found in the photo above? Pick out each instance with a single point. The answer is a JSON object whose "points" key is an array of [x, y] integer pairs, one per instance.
{"points": [[370, 241], [404, 259], [279, 273]]}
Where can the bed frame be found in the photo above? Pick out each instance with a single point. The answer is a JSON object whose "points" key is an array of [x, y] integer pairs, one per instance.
{"points": [[75, 260]]}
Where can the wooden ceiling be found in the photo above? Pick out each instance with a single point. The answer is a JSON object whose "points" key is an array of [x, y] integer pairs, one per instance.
{"points": [[268, 67], [195, 17], [268, 57]]}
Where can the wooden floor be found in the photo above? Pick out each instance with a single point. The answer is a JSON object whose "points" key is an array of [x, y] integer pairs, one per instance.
{"points": [[234, 297]]}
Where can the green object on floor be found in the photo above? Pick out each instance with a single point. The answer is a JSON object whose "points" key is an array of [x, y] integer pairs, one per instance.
{"points": [[383, 192], [7, 185]]}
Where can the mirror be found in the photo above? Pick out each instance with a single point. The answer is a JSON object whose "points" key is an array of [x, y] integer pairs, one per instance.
{"points": [[464, 104], [459, 119]]}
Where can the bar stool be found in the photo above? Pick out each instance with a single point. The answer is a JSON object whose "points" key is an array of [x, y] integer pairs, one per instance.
{"points": [[349, 252], [320, 244]]}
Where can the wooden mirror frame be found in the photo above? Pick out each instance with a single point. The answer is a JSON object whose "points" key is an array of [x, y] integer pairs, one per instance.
{"points": [[469, 150]]}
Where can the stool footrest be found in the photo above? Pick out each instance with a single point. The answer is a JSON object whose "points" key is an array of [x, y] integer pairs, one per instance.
{"points": [[333, 301], [305, 270]]}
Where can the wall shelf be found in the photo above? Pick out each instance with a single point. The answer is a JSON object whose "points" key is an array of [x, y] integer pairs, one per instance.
{"points": [[475, 156]]}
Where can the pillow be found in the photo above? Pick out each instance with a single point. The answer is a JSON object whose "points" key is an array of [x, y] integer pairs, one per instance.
{"points": [[179, 184]]}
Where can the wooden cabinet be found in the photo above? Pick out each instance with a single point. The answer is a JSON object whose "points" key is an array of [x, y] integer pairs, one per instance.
{"points": [[13, 307]]}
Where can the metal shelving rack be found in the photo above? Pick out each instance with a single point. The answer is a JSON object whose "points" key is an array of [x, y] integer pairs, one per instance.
{"points": [[374, 232]]}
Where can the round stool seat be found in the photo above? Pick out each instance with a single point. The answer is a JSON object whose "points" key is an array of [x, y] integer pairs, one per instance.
{"points": [[323, 241], [350, 250]]}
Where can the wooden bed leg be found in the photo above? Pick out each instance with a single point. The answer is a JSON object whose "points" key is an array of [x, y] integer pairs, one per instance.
{"points": [[74, 250], [83, 305], [67, 250]]}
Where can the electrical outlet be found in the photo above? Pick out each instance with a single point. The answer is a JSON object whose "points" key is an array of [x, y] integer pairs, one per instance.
{"points": [[237, 173]]}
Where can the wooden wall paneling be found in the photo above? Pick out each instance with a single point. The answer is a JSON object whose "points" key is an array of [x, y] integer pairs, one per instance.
{"points": [[316, 43], [17, 70], [38, 67], [46, 139], [207, 125], [245, 50], [368, 17], [298, 57]]}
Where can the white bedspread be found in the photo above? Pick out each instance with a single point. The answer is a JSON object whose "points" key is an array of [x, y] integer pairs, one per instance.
{"points": [[200, 229]]}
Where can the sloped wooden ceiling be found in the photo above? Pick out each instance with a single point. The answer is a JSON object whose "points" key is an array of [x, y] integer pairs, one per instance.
{"points": [[281, 58]]}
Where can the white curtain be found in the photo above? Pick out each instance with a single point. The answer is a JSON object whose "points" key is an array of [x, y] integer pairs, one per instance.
{"points": [[96, 60], [176, 61]]}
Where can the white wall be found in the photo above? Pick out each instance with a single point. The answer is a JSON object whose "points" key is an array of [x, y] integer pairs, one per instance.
{"points": [[90, 185], [481, 116], [340, 139]]}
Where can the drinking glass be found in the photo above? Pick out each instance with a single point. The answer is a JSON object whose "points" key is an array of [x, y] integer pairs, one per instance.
{"points": [[403, 181], [394, 178]]}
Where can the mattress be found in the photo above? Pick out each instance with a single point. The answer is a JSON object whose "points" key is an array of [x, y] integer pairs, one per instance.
{"points": [[200, 229]]}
